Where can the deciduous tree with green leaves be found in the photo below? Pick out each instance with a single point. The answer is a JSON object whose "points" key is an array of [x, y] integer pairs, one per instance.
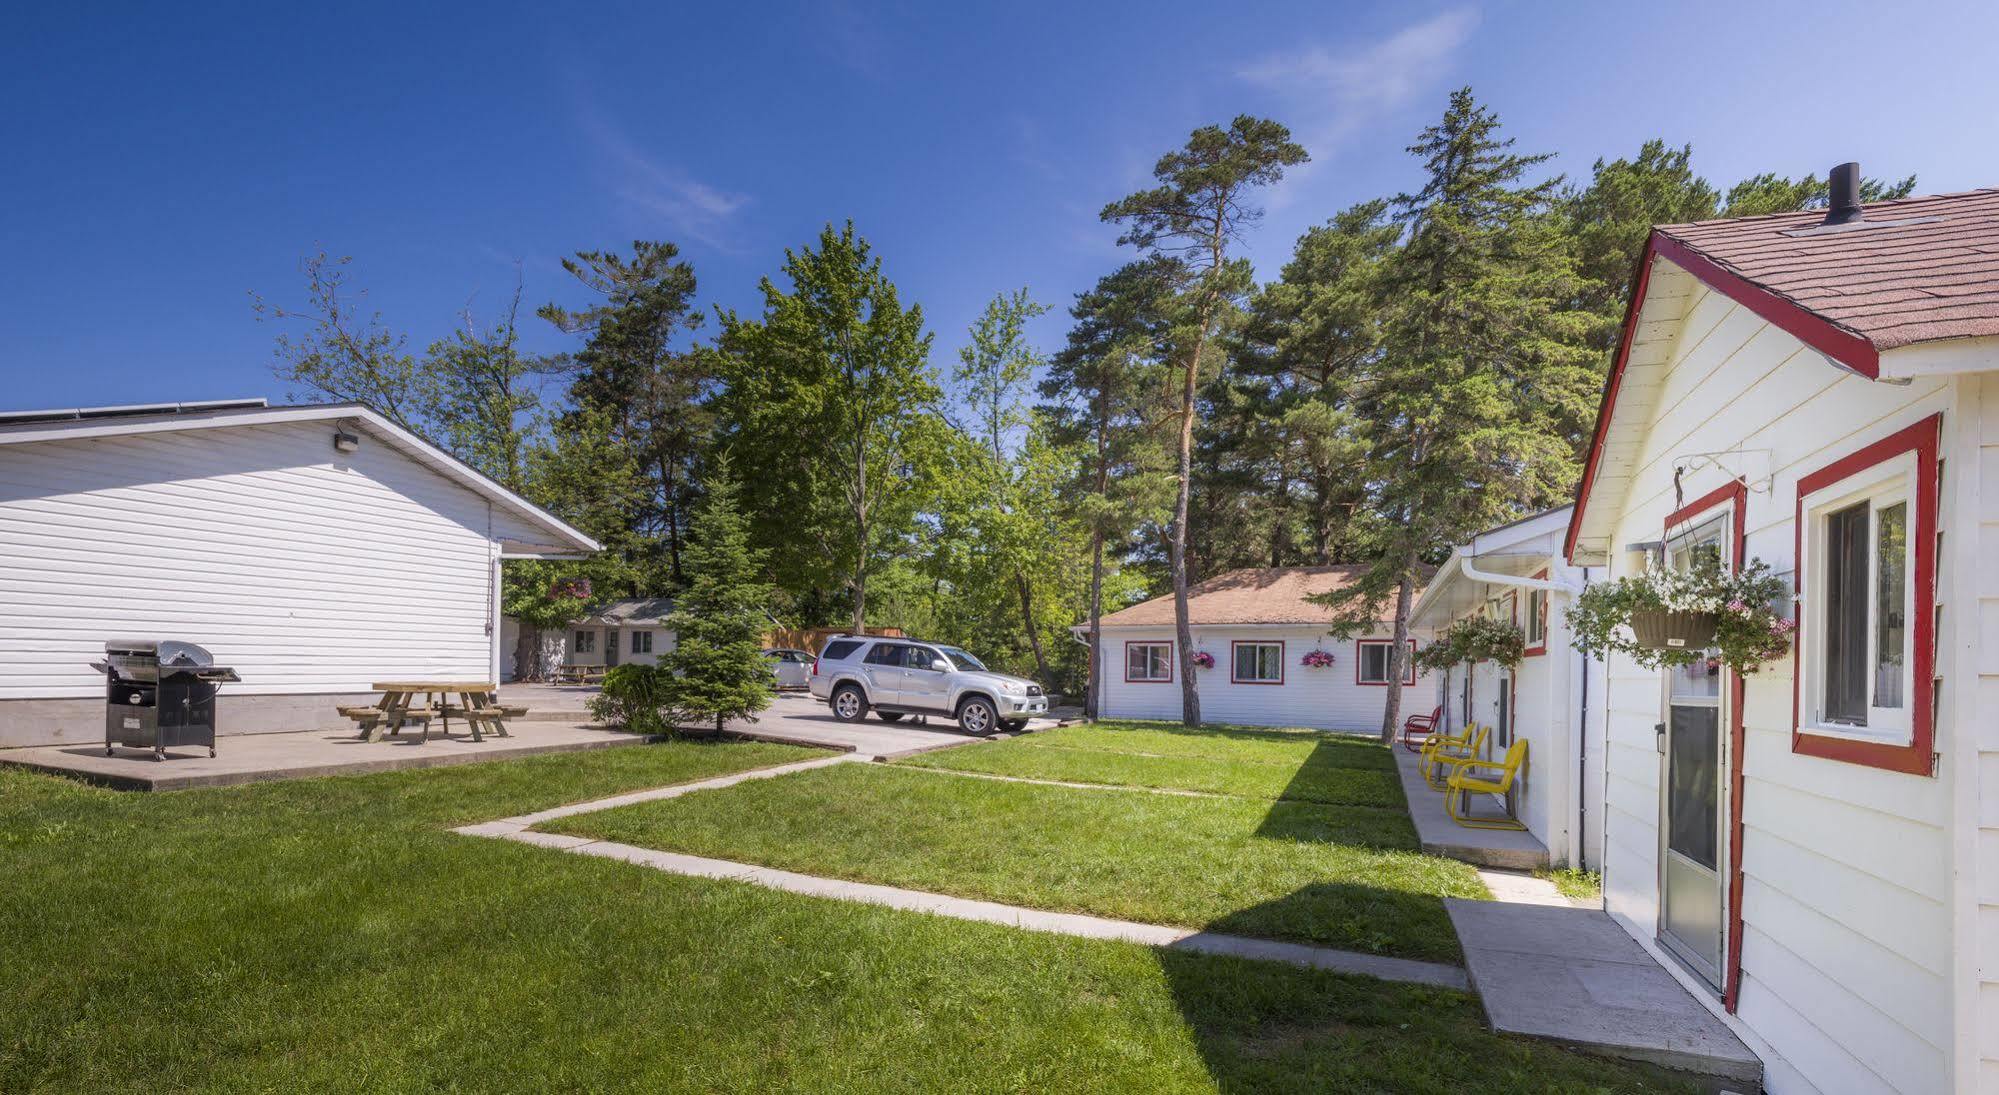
{"points": [[1200, 210], [719, 620], [829, 404]]}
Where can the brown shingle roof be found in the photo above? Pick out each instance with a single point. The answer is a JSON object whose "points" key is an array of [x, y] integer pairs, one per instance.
{"points": [[1268, 595], [1914, 270]]}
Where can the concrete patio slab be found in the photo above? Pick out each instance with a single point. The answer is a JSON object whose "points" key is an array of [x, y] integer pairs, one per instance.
{"points": [[1572, 976], [255, 758], [1509, 849]]}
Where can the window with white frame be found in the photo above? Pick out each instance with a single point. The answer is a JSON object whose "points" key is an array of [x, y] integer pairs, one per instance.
{"points": [[641, 642], [586, 642], [1148, 662], [1371, 658], [1537, 618], [1858, 601], [1258, 663]]}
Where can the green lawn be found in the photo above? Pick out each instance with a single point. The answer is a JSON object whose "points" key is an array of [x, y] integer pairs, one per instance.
{"points": [[1217, 742], [331, 935], [1299, 767], [1341, 876]]}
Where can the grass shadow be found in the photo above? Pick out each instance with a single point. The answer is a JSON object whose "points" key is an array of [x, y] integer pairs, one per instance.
{"points": [[1265, 1027]]}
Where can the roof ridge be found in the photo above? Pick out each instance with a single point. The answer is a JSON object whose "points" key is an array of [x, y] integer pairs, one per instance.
{"points": [[1883, 203]]}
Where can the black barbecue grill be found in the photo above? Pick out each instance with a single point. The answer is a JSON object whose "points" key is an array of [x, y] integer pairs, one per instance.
{"points": [[159, 695]]}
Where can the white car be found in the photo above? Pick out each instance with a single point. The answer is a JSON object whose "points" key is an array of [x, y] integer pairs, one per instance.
{"points": [[789, 668], [898, 677]]}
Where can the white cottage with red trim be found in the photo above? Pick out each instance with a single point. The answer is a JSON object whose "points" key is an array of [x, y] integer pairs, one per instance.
{"points": [[1275, 662], [1814, 848]]}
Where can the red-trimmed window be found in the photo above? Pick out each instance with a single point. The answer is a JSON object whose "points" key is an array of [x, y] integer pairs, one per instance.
{"points": [[1535, 626], [1866, 530], [1148, 662], [1253, 661], [1370, 662]]}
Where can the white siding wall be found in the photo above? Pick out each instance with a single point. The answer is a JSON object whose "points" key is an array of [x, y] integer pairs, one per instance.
{"points": [[1326, 699], [308, 570], [1976, 717], [1846, 956], [1547, 699]]}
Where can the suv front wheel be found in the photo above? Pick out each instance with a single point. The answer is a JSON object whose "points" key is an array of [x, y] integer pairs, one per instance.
{"points": [[977, 716], [849, 705]]}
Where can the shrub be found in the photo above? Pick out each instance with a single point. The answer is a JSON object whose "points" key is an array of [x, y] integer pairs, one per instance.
{"points": [[633, 697]]}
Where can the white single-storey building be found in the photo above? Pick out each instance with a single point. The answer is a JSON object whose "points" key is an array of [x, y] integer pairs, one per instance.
{"points": [[1814, 848], [1553, 700], [314, 549], [1258, 627], [625, 632]]}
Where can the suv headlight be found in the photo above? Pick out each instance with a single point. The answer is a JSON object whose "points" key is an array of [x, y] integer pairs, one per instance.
{"points": [[1013, 689]]}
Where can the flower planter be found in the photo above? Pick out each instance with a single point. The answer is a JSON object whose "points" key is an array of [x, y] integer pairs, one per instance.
{"points": [[1673, 630]]}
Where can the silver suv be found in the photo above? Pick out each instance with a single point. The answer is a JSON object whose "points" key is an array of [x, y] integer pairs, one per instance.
{"points": [[897, 677]]}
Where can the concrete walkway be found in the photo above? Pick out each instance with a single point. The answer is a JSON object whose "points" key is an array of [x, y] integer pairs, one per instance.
{"points": [[1511, 849], [255, 758], [1573, 976], [1092, 927]]}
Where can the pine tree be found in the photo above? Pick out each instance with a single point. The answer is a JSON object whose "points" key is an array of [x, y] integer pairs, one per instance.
{"points": [[1200, 209], [718, 621], [1471, 409], [1105, 388]]}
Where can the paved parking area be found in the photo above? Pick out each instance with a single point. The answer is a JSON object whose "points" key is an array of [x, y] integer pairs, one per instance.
{"points": [[798, 719]]}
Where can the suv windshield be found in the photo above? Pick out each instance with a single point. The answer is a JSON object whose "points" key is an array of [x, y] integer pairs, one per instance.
{"points": [[963, 660]]}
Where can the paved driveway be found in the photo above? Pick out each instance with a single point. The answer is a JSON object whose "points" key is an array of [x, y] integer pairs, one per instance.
{"points": [[799, 719]]}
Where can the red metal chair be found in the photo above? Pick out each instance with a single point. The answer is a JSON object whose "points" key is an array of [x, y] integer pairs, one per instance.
{"points": [[1423, 725]]}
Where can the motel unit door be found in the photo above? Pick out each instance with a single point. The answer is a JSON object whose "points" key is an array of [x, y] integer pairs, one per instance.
{"points": [[1692, 808]]}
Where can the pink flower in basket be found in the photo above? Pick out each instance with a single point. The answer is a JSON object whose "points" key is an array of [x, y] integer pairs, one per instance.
{"points": [[575, 588], [1203, 660], [1318, 659]]}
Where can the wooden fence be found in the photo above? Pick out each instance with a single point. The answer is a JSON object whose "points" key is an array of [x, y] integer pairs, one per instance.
{"points": [[812, 638]]}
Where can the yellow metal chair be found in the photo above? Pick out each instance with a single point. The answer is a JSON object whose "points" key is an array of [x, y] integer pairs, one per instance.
{"points": [[1441, 751], [1464, 781]]}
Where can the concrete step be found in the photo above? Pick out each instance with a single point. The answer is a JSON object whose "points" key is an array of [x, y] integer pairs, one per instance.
{"points": [[1573, 976]]}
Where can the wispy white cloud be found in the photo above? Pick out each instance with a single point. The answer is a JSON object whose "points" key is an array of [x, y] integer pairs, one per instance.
{"points": [[1339, 89], [654, 189]]}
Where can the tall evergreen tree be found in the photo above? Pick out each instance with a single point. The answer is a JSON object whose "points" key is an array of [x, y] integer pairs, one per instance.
{"points": [[1105, 391], [1471, 407], [1199, 211], [829, 396], [638, 369], [1310, 337], [718, 621]]}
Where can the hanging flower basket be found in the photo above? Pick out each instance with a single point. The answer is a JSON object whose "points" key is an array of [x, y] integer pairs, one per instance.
{"points": [[1317, 659], [1203, 660], [1703, 614], [1474, 639], [1668, 630]]}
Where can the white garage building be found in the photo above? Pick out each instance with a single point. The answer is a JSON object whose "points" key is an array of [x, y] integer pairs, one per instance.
{"points": [[315, 549], [1258, 626]]}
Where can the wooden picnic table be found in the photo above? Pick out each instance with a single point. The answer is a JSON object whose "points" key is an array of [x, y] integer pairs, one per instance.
{"points": [[479, 704]]}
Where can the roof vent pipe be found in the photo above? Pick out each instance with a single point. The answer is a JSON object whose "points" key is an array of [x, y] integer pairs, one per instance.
{"points": [[1843, 193]]}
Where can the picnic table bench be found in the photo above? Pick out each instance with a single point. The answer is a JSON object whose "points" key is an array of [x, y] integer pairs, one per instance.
{"points": [[478, 706]]}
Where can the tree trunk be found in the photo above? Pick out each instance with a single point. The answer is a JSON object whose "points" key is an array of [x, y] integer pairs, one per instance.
{"points": [[1033, 635], [1092, 704], [1183, 629], [527, 654], [1398, 654], [860, 600]]}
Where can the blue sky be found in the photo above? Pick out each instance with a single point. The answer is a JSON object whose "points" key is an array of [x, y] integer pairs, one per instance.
{"points": [[159, 163]]}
